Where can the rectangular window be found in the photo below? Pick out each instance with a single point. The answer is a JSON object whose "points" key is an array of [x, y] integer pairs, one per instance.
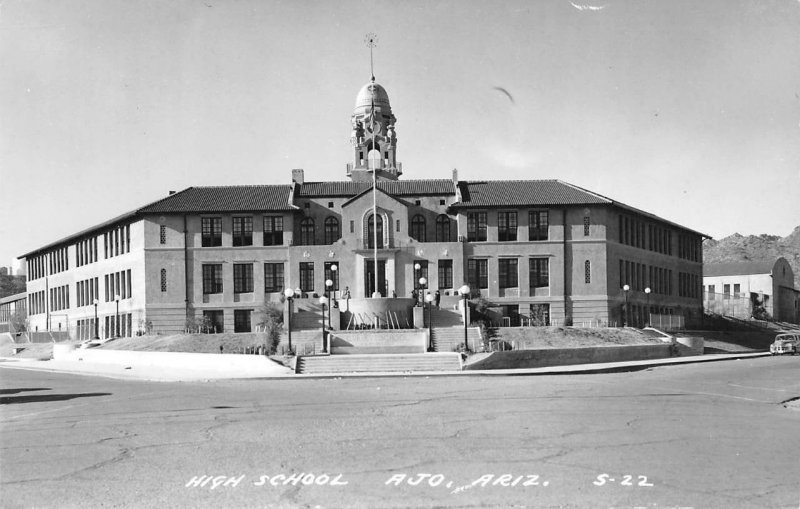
{"points": [[242, 231], [273, 230], [478, 273], [242, 277], [273, 277], [538, 225], [586, 225], [215, 320], [332, 276], [587, 269], [445, 273], [539, 271], [307, 276], [507, 226], [211, 231], [726, 290], [162, 234], [212, 278], [507, 273], [476, 227], [737, 290], [241, 320]]}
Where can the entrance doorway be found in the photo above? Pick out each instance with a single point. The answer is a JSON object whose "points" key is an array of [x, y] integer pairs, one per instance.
{"points": [[369, 278]]}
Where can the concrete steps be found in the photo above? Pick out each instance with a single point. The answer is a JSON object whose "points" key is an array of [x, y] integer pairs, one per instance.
{"points": [[446, 318], [447, 339], [378, 363]]}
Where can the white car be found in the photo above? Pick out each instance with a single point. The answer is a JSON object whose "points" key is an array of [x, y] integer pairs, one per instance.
{"points": [[785, 343]]}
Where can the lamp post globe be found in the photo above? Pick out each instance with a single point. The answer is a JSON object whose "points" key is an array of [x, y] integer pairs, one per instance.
{"points": [[464, 291]]}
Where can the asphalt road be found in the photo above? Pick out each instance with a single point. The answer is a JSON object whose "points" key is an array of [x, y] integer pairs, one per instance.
{"points": [[701, 435]]}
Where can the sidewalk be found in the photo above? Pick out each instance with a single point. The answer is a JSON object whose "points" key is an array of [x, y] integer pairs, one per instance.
{"points": [[188, 374]]}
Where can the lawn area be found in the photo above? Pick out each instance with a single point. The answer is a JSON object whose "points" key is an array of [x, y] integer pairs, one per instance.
{"points": [[571, 337]]}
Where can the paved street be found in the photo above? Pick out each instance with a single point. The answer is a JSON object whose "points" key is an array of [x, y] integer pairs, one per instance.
{"points": [[700, 435]]}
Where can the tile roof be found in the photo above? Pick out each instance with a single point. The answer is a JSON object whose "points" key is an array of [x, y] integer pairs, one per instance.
{"points": [[223, 199], [509, 193], [737, 268], [346, 188]]}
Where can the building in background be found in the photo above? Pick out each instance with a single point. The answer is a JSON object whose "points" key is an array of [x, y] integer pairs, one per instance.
{"points": [[541, 250], [752, 289]]}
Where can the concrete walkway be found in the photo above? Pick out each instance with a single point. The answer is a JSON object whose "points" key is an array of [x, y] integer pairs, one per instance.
{"points": [[189, 374]]}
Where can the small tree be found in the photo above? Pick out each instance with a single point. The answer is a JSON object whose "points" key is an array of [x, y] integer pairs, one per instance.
{"points": [[272, 322], [19, 321]]}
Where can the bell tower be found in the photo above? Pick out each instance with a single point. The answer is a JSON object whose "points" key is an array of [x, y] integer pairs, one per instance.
{"points": [[373, 136]]}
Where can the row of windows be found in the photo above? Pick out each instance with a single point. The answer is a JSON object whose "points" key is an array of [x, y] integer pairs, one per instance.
{"points": [[689, 247], [59, 261], [689, 285], [243, 281], [117, 328], [637, 233], [8, 309], [118, 284], [87, 291], [640, 276], [726, 291], [85, 328], [86, 251], [117, 241], [59, 298], [36, 267], [215, 320], [242, 231], [538, 227], [36, 303], [508, 273]]}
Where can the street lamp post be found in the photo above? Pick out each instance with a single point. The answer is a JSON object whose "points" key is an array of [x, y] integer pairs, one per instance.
{"points": [[625, 289], [416, 271], [464, 291], [322, 300], [328, 287], [116, 320], [429, 299], [422, 283], [96, 321], [289, 294], [647, 292], [334, 268]]}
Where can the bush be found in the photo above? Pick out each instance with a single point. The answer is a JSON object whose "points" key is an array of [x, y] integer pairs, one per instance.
{"points": [[272, 322]]}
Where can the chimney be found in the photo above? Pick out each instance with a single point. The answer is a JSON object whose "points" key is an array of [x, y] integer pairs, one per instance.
{"points": [[455, 176], [298, 176]]}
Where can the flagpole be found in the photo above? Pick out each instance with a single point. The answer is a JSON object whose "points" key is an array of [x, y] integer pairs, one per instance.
{"points": [[371, 41]]}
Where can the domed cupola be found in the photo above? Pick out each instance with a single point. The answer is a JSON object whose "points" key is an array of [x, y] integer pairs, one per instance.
{"points": [[373, 136]]}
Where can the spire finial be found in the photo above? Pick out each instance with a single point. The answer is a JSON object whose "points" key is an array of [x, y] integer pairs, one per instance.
{"points": [[371, 40]]}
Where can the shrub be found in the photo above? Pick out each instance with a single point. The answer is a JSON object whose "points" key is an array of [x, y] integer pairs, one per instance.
{"points": [[272, 322]]}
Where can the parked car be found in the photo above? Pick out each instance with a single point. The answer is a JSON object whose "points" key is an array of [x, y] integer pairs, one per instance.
{"points": [[785, 343]]}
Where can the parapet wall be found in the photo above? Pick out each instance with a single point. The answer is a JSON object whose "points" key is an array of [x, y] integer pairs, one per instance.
{"points": [[517, 359]]}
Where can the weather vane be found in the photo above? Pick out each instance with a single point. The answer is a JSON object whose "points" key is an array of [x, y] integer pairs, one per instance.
{"points": [[371, 40]]}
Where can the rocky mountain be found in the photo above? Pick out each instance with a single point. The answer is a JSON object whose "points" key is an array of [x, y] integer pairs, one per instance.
{"points": [[738, 248]]}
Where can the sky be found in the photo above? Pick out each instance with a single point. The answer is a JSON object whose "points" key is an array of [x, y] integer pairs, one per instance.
{"points": [[688, 110]]}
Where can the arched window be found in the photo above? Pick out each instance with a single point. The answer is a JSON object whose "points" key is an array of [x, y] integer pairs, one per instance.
{"points": [[371, 232], [307, 232], [331, 230], [418, 228], [443, 228]]}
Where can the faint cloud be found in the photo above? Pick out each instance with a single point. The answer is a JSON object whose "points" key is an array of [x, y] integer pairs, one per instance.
{"points": [[586, 7], [505, 155]]}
